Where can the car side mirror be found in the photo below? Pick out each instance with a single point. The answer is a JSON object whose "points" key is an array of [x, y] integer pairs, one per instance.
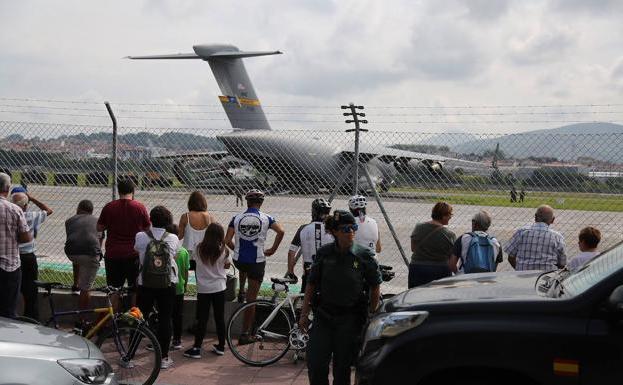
{"points": [[615, 301]]}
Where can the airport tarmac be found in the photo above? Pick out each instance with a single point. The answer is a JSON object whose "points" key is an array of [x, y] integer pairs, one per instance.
{"points": [[292, 211]]}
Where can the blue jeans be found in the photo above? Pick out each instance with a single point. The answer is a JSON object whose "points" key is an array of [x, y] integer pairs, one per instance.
{"points": [[423, 274]]}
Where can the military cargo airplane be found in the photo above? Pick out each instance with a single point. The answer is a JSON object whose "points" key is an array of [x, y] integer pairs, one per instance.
{"points": [[298, 165]]}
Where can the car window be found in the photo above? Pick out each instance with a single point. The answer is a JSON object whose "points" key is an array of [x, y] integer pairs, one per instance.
{"points": [[596, 270]]}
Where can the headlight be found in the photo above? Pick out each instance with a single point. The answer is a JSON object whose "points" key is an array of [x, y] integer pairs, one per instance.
{"points": [[392, 324], [87, 370]]}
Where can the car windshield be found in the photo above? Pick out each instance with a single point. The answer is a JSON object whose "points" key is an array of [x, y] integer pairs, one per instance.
{"points": [[596, 270]]}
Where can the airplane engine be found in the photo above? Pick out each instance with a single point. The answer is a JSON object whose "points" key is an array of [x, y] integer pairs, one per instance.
{"points": [[413, 166]]}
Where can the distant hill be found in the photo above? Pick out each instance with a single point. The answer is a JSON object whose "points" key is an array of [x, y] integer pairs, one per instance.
{"points": [[602, 141], [168, 140]]}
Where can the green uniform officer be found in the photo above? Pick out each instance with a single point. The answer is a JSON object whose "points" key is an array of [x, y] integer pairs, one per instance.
{"points": [[344, 286]]}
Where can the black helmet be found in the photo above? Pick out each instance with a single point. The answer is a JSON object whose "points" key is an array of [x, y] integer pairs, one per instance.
{"points": [[320, 208], [254, 195]]}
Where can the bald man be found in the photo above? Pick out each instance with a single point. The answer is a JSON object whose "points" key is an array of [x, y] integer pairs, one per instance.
{"points": [[30, 269], [537, 246]]}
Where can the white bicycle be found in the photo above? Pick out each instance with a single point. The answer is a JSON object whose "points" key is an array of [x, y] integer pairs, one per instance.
{"points": [[271, 328]]}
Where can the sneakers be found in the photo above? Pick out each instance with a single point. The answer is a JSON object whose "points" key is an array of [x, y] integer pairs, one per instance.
{"points": [[218, 350], [176, 345], [75, 290], [166, 363], [241, 296], [245, 339], [193, 353]]}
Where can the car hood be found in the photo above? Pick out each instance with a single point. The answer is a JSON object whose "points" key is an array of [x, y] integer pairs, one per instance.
{"points": [[472, 287], [28, 340]]}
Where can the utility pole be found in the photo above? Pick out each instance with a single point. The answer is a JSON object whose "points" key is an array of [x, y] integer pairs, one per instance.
{"points": [[355, 119], [114, 150]]}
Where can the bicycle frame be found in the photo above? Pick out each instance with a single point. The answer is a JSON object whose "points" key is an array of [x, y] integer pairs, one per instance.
{"points": [[290, 300]]}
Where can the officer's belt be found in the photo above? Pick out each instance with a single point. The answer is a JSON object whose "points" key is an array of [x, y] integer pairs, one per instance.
{"points": [[337, 311]]}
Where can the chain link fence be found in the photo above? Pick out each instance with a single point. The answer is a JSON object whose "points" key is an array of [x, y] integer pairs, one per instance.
{"points": [[578, 173]]}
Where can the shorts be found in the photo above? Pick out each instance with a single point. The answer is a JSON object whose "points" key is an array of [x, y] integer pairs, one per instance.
{"points": [[87, 270], [254, 271], [120, 270]]}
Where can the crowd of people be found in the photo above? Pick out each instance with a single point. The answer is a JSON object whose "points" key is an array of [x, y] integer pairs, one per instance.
{"points": [[152, 255]]}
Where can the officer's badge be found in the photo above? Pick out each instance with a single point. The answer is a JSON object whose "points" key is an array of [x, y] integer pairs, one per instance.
{"points": [[356, 265]]}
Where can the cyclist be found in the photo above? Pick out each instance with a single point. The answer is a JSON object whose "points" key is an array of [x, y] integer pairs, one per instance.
{"points": [[368, 234], [309, 238], [246, 235], [344, 283]]}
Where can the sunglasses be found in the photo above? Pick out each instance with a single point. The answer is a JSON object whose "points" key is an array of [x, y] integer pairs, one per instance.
{"points": [[348, 228]]}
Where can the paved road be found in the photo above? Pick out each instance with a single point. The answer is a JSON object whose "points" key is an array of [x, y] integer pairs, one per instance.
{"points": [[292, 211]]}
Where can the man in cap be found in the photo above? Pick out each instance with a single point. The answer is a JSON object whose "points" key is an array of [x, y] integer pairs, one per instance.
{"points": [[28, 259]]}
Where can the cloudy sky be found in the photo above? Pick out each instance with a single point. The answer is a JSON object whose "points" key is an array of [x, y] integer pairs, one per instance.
{"points": [[429, 56]]}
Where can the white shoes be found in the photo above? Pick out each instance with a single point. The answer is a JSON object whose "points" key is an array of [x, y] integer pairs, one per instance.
{"points": [[166, 363]]}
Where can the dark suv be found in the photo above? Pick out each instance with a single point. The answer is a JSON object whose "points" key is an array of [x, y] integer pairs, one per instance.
{"points": [[503, 328]]}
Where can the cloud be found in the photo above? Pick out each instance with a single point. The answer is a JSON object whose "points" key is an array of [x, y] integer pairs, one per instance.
{"points": [[542, 46], [442, 51], [593, 7]]}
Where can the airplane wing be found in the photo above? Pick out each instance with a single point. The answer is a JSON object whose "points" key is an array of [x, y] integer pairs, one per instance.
{"points": [[216, 155], [391, 155]]}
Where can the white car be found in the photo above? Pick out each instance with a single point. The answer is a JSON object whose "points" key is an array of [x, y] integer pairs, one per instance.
{"points": [[34, 354]]}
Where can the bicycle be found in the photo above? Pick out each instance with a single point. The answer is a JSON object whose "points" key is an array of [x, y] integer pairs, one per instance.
{"points": [[122, 337], [274, 329]]}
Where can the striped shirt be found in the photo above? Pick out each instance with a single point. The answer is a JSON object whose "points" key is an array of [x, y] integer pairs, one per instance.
{"points": [[12, 223], [537, 247], [34, 220]]}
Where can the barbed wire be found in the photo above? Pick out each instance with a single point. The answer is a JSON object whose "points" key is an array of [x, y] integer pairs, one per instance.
{"points": [[588, 105]]}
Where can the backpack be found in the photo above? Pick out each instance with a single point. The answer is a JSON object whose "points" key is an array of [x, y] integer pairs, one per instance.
{"points": [[156, 267], [479, 257]]}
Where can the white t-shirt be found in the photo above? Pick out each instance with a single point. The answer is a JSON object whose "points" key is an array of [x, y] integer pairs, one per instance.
{"points": [[368, 233], [142, 240], [309, 238], [211, 278], [580, 260]]}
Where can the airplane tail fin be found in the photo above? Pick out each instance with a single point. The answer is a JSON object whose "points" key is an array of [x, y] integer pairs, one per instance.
{"points": [[239, 100]]}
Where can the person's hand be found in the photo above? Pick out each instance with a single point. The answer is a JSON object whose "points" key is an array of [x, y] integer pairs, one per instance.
{"points": [[291, 276], [269, 252], [304, 322]]}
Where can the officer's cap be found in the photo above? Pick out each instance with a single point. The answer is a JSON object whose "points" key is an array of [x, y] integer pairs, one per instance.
{"points": [[342, 217]]}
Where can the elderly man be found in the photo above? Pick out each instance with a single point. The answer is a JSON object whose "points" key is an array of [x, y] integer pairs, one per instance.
{"points": [[30, 269], [13, 230], [536, 246], [477, 250]]}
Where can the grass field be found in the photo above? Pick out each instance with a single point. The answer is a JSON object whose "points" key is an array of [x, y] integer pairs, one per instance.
{"points": [[60, 274], [558, 200]]}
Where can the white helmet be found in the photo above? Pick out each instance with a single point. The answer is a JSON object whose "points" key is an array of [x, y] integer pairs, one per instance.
{"points": [[357, 202]]}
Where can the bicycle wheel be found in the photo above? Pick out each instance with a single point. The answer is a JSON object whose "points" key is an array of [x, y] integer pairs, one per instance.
{"points": [[266, 345], [127, 352]]}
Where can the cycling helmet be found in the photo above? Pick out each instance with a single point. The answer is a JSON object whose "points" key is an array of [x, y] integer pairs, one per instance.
{"points": [[254, 195], [357, 205], [320, 208], [357, 202]]}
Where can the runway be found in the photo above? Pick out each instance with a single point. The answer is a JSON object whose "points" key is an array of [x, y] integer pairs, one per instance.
{"points": [[292, 211]]}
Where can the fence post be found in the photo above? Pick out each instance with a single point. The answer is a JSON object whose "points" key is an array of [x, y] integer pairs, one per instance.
{"points": [[357, 129], [114, 150]]}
